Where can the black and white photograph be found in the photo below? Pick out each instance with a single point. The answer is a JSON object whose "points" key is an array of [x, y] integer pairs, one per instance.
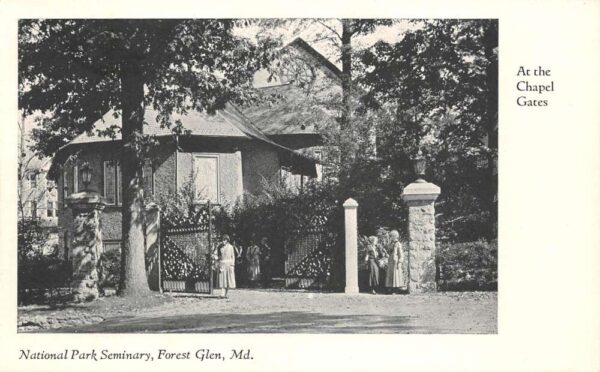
{"points": [[258, 175], [299, 186]]}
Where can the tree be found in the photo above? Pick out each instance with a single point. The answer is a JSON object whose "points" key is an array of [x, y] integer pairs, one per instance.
{"points": [[337, 35], [79, 69], [438, 86]]}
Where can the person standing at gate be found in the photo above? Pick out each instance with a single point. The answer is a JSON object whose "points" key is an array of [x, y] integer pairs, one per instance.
{"points": [[371, 259], [394, 278], [265, 260], [226, 276], [253, 260]]}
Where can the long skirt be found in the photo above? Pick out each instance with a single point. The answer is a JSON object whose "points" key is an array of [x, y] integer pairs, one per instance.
{"points": [[373, 273], [394, 277], [226, 276], [253, 271]]}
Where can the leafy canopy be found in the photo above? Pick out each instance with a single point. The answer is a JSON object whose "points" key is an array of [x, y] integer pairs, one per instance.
{"points": [[70, 68]]}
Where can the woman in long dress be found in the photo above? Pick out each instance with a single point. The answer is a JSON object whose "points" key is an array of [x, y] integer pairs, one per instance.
{"points": [[253, 259], [226, 276], [371, 258], [394, 278]]}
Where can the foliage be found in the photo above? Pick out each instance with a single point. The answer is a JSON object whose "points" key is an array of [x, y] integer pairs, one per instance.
{"points": [[42, 278], [467, 266], [181, 208], [77, 70], [278, 212], [31, 239], [72, 68], [109, 269], [436, 91]]}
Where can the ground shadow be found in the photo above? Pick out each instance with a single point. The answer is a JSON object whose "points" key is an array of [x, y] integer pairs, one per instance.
{"points": [[276, 322]]}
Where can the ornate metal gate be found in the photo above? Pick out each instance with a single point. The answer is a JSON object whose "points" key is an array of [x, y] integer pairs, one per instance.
{"points": [[186, 248], [309, 260]]}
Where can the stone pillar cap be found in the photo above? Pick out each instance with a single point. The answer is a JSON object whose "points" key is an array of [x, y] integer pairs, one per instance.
{"points": [[350, 203], [420, 191], [86, 197]]}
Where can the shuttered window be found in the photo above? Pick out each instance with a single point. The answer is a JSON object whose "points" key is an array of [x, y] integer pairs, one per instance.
{"points": [[75, 178], [148, 179], [65, 185], [206, 178], [111, 182]]}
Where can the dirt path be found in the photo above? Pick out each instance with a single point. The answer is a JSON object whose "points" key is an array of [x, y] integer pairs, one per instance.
{"points": [[268, 311]]}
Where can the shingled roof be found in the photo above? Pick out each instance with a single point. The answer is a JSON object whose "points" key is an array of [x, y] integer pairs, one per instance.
{"points": [[227, 123], [296, 113]]}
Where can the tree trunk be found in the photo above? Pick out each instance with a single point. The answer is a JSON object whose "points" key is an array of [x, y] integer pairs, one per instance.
{"points": [[133, 265], [490, 43]]}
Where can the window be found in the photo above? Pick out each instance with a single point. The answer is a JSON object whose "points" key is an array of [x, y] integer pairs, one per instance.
{"points": [[75, 178], [148, 179], [112, 182], [65, 185], [33, 209], [32, 178], [51, 208], [112, 245], [206, 178], [27, 209], [319, 165]]}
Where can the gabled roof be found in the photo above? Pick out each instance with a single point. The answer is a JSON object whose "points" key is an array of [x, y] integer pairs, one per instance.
{"points": [[227, 123], [288, 116], [198, 123], [301, 44], [294, 115]]}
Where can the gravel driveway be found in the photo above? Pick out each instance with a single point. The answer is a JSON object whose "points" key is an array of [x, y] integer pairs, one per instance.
{"points": [[274, 311]]}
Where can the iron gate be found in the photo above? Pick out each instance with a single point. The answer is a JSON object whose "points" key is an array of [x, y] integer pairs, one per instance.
{"points": [[309, 254], [186, 247]]}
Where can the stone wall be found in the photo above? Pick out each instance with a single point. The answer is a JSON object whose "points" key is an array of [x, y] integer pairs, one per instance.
{"points": [[420, 197], [421, 253]]}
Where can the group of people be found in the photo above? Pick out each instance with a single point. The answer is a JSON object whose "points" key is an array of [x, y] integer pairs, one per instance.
{"points": [[256, 256], [385, 257]]}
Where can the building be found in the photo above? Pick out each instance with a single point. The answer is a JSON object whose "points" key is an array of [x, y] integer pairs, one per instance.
{"points": [[222, 156], [38, 197]]}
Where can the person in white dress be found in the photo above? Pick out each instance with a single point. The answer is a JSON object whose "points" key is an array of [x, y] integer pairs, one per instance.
{"points": [[226, 275], [394, 278]]}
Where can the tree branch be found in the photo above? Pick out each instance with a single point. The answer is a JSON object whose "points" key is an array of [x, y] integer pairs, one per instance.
{"points": [[329, 28]]}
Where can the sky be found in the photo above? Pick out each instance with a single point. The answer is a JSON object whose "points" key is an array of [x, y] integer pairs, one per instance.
{"points": [[313, 32]]}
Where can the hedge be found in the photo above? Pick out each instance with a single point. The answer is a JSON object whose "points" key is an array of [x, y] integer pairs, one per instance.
{"points": [[467, 266]]}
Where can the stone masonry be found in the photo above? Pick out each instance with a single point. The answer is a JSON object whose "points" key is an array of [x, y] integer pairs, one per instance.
{"points": [[86, 244], [420, 197]]}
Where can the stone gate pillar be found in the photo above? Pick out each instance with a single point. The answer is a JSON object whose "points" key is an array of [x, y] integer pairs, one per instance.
{"points": [[86, 243], [152, 230], [351, 238], [420, 197]]}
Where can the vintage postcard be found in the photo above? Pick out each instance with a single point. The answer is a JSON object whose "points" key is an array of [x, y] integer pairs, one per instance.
{"points": [[342, 187]]}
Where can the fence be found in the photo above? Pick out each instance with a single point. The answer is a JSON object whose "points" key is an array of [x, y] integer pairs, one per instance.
{"points": [[309, 258], [186, 263]]}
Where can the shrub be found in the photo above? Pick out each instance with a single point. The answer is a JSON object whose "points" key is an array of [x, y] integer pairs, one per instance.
{"points": [[467, 266], [39, 276], [109, 269]]}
